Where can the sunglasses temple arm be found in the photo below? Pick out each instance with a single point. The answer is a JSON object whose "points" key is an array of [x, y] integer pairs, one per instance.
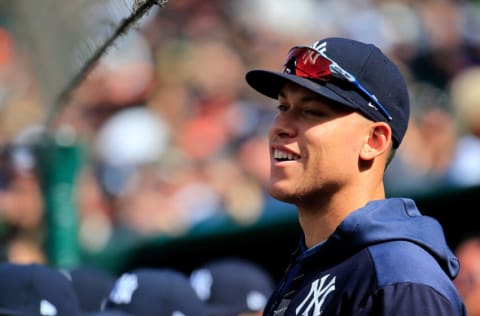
{"points": [[351, 78], [371, 96]]}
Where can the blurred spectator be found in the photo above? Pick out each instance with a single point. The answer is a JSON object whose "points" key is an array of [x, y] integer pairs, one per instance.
{"points": [[468, 279], [241, 194], [465, 167], [422, 162], [24, 249], [131, 138], [95, 212], [123, 77], [154, 292], [36, 290], [443, 39], [21, 206], [20, 104], [232, 286], [150, 205], [404, 30], [7, 47], [21, 203], [92, 286]]}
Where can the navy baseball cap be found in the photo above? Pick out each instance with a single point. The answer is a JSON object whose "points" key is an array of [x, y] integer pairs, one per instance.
{"points": [[230, 286], [36, 290], [154, 292], [92, 286], [369, 81]]}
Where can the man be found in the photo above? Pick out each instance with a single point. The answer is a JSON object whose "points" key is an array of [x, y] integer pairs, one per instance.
{"points": [[343, 109]]}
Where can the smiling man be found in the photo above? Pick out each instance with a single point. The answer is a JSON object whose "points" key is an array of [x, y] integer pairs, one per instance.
{"points": [[343, 109]]}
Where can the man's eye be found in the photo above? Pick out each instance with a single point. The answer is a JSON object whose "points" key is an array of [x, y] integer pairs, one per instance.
{"points": [[282, 107], [314, 112]]}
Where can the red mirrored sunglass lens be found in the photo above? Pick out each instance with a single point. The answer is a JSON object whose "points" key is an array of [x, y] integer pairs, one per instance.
{"points": [[309, 62]]}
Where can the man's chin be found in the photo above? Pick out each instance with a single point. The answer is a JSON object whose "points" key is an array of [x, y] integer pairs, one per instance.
{"points": [[281, 194]]}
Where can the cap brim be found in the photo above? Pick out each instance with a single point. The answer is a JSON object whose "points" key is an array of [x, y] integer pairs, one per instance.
{"points": [[10, 312], [270, 83]]}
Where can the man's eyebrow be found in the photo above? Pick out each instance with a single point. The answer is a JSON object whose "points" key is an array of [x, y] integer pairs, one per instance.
{"points": [[312, 97], [305, 98], [309, 97]]}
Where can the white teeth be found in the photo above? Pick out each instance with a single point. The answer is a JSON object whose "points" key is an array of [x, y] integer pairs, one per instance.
{"points": [[282, 155]]}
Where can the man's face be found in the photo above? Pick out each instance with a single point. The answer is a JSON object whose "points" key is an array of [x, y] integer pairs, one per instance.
{"points": [[314, 146]]}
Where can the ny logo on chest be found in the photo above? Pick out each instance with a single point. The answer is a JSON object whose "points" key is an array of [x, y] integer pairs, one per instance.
{"points": [[313, 302]]}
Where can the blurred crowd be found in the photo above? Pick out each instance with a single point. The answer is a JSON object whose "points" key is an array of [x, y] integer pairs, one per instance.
{"points": [[173, 136]]}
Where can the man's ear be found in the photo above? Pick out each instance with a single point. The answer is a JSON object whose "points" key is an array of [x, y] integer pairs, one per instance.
{"points": [[377, 141]]}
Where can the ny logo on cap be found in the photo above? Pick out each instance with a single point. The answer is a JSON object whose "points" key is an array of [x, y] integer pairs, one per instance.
{"points": [[47, 308], [124, 288], [320, 46]]}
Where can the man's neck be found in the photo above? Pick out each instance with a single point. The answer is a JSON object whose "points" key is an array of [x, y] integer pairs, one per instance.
{"points": [[319, 219]]}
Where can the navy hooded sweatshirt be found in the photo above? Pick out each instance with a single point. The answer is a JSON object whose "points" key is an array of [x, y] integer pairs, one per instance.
{"points": [[383, 259]]}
